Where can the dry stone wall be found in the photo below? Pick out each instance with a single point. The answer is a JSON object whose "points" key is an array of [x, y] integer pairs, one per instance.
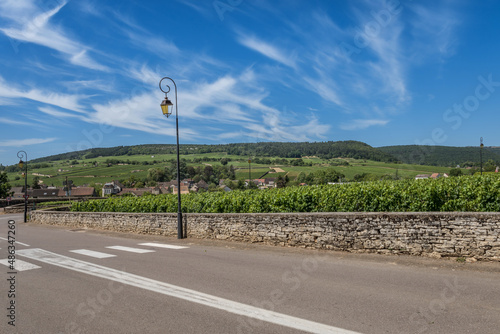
{"points": [[436, 234]]}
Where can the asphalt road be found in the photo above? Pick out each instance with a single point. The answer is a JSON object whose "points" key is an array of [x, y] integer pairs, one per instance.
{"points": [[80, 281]]}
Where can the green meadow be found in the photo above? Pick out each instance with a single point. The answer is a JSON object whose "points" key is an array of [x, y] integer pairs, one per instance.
{"points": [[85, 173]]}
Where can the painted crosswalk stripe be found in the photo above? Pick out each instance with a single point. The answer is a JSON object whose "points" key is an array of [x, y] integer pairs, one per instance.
{"points": [[153, 244], [20, 265], [131, 249], [92, 253], [179, 292], [17, 242]]}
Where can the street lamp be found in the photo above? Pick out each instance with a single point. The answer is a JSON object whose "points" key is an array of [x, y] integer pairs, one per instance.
{"points": [[21, 155], [166, 108]]}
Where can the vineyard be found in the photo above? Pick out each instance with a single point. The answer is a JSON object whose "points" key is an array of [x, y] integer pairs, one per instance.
{"points": [[466, 193]]}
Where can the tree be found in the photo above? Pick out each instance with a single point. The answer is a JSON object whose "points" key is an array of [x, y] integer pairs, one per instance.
{"points": [[207, 172], [241, 184], [36, 183], [232, 175], [455, 172], [97, 188], [280, 182], [172, 170], [252, 185], [191, 171], [4, 185], [323, 176], [224, 161], [157, 175], [490, 166], [302, 177]]}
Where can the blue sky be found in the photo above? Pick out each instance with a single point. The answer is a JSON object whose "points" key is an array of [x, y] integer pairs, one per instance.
{"points": [[82, 74]]}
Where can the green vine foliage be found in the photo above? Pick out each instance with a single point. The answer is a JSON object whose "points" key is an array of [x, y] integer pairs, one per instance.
{"points": [[465, 193]]}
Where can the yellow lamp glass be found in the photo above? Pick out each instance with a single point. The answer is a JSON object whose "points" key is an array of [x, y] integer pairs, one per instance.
{"points": [[166, 107], [21, 164]]}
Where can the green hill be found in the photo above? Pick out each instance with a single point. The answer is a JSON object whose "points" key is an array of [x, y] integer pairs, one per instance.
{"points": [[442, 155], [325, 150]]}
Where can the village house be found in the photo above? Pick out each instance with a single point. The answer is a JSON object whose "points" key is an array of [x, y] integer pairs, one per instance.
{"points": [[45, 193], [111, 188], [18, 192], [83, 192]]}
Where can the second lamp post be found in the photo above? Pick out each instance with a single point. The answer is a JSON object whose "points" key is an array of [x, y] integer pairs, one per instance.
{"points": [[21, 155], [166, 108]]}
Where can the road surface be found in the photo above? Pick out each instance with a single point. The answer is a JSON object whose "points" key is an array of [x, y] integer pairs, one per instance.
{"points": [[79, 281]]}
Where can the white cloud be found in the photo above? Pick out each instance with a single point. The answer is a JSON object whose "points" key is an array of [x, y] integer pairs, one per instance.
{"points": [[360, 124], [59, 114], [228, 100], [154, 44], [268, 50], [66, 101], [4, 120], [139, 112], [25, 142], [33, 26], [324, 87], [434, 29], [99, 85]]}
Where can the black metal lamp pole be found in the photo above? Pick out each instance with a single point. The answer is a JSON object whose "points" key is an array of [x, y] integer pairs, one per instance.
{"points": [[21, 155], [166, 107]]}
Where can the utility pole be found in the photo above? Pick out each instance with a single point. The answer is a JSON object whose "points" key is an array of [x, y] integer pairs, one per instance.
{"points": [[67, 187]]}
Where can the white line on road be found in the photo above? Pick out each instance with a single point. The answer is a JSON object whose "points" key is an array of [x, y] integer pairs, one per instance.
{"points": [[20, 265], [179, 292], [92, 253], [131, 249], [153, 244], [17, 242]]}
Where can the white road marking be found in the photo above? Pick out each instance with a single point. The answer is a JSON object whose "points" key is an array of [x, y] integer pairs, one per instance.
{"points": [[153, 244], [131, 249], [20, 265], [179, 292], [92, 253], [17, 242]]}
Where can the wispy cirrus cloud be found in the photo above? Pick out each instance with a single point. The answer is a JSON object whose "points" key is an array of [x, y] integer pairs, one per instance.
{"points": [[155, 44], [60, 114], [268, 50], [235, 101], [434, 29], [4, 120], [360, 124], [66, 101], [25, 142], [31, 24]]}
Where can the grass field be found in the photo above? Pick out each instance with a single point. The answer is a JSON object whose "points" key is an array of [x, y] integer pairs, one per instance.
{"points": [[85, 173]]}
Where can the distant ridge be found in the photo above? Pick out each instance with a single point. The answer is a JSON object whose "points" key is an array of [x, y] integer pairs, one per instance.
{"points": [[446, 156], [441, 155], [330, 149]]}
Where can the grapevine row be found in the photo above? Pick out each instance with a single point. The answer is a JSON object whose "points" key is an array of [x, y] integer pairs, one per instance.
{"points": [[466, 193]]}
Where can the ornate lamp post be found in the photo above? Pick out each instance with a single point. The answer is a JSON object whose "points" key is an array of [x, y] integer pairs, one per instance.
{"points": [[166, 108], [21, 155]]}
